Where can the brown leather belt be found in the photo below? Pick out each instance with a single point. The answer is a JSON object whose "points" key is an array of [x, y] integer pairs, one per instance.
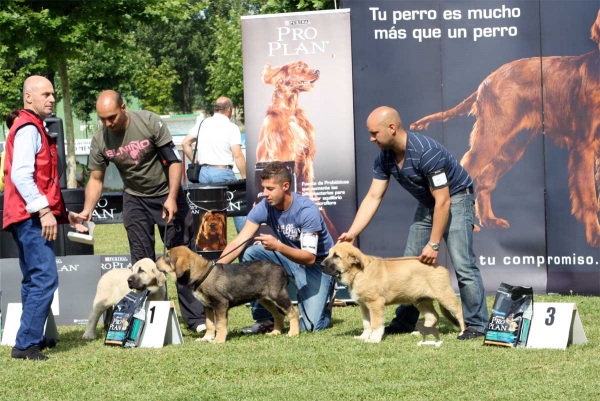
{"points": [[212, 165]]}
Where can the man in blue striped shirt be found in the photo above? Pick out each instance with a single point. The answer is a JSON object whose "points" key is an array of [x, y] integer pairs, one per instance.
{"points": [[446, 209]]}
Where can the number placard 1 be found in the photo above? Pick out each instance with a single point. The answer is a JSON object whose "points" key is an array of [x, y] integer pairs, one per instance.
{"points": [[162, 326], [555, 325]]}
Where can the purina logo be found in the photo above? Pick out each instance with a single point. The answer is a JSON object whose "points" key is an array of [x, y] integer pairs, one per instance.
{"points": [[116, 259], [298, 22]]}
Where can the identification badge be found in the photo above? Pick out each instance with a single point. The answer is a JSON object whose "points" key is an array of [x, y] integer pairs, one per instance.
{"points": [[308, 242], [438, 179]]}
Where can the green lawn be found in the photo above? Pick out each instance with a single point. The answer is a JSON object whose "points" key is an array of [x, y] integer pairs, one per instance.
{"points": [[329, 365]]}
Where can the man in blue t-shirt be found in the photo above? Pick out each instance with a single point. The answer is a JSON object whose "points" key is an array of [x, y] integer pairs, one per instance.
{"points": [[446, 209], [300, 243]]}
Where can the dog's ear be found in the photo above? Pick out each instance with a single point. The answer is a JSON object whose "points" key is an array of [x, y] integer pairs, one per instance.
{"points": [[161, 278], [181, 266], [269, 73], [596, 30], [357, 262]]}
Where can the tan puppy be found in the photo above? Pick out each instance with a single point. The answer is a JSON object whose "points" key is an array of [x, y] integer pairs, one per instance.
{"points": [[117, 283], [377, 282], [227, 285]]}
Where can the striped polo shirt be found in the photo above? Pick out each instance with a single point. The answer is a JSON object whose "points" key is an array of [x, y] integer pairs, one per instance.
{"points": [[423, 156]]}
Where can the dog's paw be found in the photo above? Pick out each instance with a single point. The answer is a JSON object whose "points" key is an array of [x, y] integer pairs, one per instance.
{"points": [[89, 336], [274, 333], [205, 338], [373, 340], [293, 333], [363, 336]]}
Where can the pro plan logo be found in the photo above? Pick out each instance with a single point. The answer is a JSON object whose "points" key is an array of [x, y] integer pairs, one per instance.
{"points": [[298, 22]]}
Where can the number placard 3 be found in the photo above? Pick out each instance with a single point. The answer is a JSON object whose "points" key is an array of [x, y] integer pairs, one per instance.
{"points": [[555, 325]]}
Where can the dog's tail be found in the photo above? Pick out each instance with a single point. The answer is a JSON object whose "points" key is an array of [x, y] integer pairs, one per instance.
{"points": [[464, 108], [449, 316]]}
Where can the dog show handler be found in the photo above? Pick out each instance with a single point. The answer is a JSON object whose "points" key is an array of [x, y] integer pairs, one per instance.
{"points": [[140, 145], [300, 244], [36, 208], [446, 209]]}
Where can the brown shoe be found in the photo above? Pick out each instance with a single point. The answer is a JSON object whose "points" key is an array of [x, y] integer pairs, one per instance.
{"points": [[33, 353]]}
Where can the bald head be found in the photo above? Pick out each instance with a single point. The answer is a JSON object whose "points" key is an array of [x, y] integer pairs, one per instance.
{"points": [[386, 129], [111, 110], [385, 116], [109, 98], [224, 105], [38, 95]]}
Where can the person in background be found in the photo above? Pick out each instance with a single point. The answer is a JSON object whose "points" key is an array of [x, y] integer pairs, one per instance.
{"points": [[446, 210], [140, 145], [36, 208], [219, 147]]}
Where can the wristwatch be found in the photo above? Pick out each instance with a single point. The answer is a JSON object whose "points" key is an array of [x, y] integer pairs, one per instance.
{"points": [[433, 245]]}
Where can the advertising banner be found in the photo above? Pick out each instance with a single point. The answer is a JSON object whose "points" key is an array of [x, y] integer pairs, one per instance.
{"points": [[78, 277], [468, 74], [298, 107], [571, 75]]}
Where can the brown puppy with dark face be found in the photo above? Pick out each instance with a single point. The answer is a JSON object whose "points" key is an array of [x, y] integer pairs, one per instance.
{"points": [[377, 282], [224, 286]]}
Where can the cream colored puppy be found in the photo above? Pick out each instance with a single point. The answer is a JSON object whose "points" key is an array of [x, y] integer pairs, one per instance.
{"points": [[117, 283], [377, 282]]}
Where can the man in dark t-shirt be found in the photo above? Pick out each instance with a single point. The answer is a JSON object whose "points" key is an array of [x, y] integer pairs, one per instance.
{"points": [[446, 209], [140, 145]]}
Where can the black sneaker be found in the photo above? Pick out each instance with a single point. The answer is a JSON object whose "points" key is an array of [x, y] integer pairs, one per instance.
{"points": [[470, 334], [396, 330], [47, 343], [33, 353], [261, 326]]}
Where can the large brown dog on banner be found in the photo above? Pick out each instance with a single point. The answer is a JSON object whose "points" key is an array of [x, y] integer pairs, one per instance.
{"points": [[508, 107], [376, 282], [286, 133]]}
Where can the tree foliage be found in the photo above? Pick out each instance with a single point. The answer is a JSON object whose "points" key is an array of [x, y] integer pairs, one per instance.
{"points": [[288, 6], [58, 30]]}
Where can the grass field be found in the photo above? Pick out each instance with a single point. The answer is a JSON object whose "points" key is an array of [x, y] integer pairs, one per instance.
{"points": [[328, 365]]}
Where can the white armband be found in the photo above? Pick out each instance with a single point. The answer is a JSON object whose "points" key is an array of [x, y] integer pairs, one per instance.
{"points": [[308, 242]]}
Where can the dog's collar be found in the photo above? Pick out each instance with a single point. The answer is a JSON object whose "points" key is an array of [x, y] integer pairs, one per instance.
{"points": [[210, 268]]}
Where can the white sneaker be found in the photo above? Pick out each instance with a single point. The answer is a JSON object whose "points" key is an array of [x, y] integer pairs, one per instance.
{"points": [[200, 328]]}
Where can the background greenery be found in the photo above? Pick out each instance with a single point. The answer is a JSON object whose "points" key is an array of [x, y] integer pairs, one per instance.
{"points": [[175, 56], [328, 365]]}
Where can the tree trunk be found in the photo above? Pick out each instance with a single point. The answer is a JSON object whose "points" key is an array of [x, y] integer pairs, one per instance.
{"points": [[64, 85], [185, 86]]}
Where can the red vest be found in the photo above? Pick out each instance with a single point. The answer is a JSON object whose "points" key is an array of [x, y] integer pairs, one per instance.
{"points": [[45, 174]]}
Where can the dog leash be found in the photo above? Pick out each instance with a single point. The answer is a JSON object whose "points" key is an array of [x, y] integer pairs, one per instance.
{"points": [[214, 262]]}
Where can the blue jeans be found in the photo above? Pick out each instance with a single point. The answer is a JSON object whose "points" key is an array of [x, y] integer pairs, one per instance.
{"points": [[215, 175], [40, 280], [459, 240], [315, 289]]}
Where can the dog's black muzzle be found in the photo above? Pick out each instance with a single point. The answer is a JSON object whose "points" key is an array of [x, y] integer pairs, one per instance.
{"points": [[330, 269]]}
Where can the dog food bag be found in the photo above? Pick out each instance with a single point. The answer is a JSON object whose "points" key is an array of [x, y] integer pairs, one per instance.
{"points": [[123, 318], [139, 319], [511, 317]]}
